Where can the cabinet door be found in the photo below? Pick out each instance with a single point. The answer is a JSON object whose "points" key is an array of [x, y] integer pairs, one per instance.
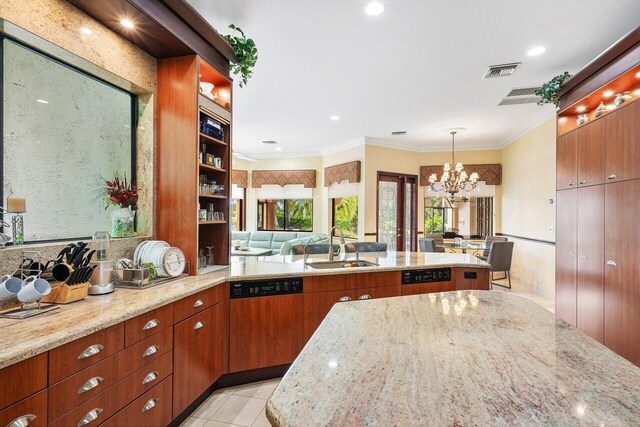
{"points": [[264, 331], [317, 305], [590, 295], [195, 357], [31, 411], [149, 410], [566, 259], [622, 269], [622, 153], [591, 141], [567, 161]]}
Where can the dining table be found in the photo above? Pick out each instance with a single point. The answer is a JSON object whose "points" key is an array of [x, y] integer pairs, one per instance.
{"points": [[465, 246]]}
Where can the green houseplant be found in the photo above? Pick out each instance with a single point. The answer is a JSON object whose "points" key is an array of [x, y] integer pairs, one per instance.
{"points": [[246, 52], [548, 92]]}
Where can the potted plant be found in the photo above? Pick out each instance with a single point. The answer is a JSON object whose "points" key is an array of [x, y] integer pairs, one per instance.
{"points": [[246, 52], [124, 194], [548, 92]]}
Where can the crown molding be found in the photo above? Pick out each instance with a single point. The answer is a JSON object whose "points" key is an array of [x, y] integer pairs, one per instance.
{"points": [[537, 121]]}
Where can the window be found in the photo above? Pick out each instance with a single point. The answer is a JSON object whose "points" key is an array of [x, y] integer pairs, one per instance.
{"points": [[345, 216], [438, 216], [484, 216], [237, 214], [285, 215]]}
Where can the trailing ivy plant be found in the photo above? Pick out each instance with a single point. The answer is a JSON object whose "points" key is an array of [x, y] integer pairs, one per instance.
{"points": [[549, 91], [246, 52]]}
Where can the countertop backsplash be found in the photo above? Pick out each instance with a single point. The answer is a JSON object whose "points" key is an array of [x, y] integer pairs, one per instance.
{"points": [[11, 256]]}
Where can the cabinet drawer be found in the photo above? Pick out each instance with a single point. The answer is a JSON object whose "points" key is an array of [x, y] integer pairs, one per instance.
{"points": [[22, 379], [102, 406], [193, 304], [351, 281], [71, 392], [147, 324], [81, 353], [31, 412], [383, 292], [427, 288], [151, 409]]}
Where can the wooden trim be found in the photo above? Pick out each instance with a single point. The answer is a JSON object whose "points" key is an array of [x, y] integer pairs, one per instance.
{"points": [[414, 203], [371, 234], [529, 239]]}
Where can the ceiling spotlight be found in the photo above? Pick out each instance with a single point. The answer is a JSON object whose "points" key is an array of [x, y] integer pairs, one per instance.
{"points": [[535, 51], [637, 92], [42, 101], [638, 75], [127, 23], [86, 30], [374, 8], [608, 93], [335, 118], [581, 109], [278, 148]]}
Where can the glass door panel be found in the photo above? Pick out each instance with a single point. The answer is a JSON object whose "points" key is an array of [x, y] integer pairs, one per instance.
{"points": [[397, 225]]}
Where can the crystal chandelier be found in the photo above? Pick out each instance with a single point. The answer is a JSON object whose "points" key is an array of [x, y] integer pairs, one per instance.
{"points": [[453, 181]]}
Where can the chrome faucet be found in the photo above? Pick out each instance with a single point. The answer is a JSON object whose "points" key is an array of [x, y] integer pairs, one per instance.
{"points": [[342, 242]]}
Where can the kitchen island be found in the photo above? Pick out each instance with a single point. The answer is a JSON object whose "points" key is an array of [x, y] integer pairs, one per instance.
{"points": [[456, 358]]}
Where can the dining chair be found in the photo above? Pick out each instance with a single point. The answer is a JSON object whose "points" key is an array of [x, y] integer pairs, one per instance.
{"points": [[427, 245], [500, 255], [489, 240], [439, 241]]}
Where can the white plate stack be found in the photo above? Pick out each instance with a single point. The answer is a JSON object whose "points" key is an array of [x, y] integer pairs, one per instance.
{"points": [[168, 261]]}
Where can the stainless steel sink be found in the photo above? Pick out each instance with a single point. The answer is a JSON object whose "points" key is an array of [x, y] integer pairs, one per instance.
{"points": [[340, 264]]}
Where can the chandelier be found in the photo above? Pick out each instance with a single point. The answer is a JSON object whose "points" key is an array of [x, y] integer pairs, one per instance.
{"points": [[453, 181]]}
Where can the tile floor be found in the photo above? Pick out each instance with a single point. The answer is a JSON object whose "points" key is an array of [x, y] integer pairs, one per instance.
{"points": [[244, 405]]}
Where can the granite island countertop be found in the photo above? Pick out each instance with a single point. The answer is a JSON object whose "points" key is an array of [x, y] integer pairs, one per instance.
{"points": [[465, 358], [21, 339]]}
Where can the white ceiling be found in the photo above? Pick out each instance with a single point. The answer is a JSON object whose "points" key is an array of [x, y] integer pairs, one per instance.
{"points": [[417, 67]]}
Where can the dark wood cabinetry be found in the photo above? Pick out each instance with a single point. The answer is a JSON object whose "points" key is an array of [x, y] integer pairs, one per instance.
{"points": [[22, 379], [591, 145], [567, 161], [622, 270], [566, 255], [31, 412], [622, 159]]}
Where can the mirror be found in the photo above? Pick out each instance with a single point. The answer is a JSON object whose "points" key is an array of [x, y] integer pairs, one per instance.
{"points": [[63, 130]]}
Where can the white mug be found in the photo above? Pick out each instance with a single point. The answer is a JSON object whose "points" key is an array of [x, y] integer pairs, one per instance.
{"points": [[33, 288], [9, 287]]}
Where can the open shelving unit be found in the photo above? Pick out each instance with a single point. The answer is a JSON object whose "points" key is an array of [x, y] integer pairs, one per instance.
{"points": [[181, 108]]}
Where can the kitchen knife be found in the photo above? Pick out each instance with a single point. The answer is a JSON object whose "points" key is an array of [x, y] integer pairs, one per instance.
{"points": [[88, 274], [72, 277], [87, 258], [77, 260]]}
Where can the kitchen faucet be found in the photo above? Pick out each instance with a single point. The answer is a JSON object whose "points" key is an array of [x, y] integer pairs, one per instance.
{"points": [[342, 242]]}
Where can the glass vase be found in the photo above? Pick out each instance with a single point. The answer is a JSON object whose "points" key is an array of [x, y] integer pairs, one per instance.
{"points": [[122, 223]]}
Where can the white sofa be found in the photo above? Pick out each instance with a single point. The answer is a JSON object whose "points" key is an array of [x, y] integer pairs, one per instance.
{"points": [[279, 242]]}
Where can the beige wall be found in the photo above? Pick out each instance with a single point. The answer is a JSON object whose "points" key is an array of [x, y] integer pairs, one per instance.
{"points": [[528, 185]]}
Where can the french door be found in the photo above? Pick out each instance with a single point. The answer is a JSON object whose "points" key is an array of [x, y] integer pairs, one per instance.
{"points": [[397, 204]]}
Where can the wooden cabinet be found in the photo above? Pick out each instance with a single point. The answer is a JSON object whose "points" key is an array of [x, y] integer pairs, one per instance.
{"points": [[31, 412], [590, 276], [318, 304], [622, 270], [264, 331], [22, 379], [194, 304], [427, 288], [472, 279], [147, 324], [591, 148], [379, 292], [567, 161], [566, 255], [622, 152], [152, 409], [197, 357]]}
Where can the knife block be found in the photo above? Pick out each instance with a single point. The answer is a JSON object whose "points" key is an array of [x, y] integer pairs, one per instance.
{"points": [[61, 293]]}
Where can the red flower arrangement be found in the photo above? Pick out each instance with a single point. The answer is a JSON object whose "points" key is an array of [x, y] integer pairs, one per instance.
{"points": [[120, 192]]}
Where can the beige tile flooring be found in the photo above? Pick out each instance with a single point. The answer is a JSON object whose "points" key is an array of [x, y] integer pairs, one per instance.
{"points": [[244, 405]]}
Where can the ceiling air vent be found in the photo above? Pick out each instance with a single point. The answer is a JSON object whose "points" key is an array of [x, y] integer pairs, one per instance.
{"points": [[399, 132], [519, 96], [502, 70], [269, 142]]}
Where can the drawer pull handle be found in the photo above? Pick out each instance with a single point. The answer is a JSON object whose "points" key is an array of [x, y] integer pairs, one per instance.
{"points": [[584, 181], [198, 325], [91, 416], [151, 350], [150, 404], [198, 303], [151, 376], [583, 257], [344, 299], [90, 384], [151, 324], [571, 184], [612, 176], [572, 253], [92, 350], [365, 296], [22, 421], [611, 262]]}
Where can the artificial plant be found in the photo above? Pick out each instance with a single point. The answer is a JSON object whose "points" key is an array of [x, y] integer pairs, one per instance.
{"points": [[246, 52], [548, 92]]}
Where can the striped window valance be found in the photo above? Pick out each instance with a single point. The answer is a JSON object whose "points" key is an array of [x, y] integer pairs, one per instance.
{"points": [[306, 177], [240, 178], [344, 172], [491, 174]]}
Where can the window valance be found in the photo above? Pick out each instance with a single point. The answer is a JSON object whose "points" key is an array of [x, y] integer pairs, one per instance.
{"points": [[306, 177], [240, 178], [343, 172]]}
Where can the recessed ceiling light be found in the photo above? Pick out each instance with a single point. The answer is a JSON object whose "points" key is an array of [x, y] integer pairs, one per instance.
{"points": [[638, 74], [86, 30], [42, 101], [335, 118], [581, 108], [608, 93], [374, 8], [127, 23], [535, 51], [278, 148], [637, 92]]}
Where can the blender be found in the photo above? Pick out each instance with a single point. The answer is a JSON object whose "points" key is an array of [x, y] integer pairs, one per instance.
{"points": [[102, 278]]}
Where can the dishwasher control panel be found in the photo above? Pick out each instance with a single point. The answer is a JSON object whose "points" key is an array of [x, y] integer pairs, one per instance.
{"points": [[266, 288], [430, 275]]}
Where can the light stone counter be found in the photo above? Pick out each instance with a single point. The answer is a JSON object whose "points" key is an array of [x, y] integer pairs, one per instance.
{"points": [[466, 358], [21, 339]]}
